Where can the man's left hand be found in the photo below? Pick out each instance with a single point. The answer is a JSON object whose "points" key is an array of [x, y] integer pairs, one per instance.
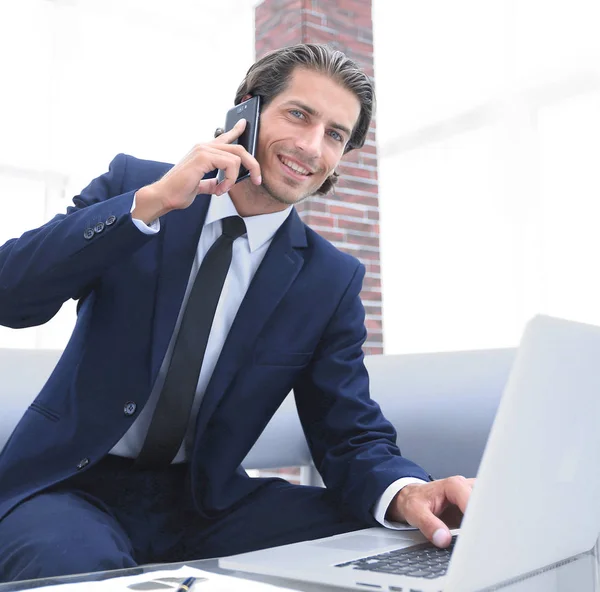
{"points": [[433, 507]]}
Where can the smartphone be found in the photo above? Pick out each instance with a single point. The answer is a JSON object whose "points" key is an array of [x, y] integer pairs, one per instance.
{"points": [[248, 110]]}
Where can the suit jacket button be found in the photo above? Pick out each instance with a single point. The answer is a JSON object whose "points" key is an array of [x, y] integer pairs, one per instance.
{"points": [[99, 227], [129, 408], [84, 462], [111, 220], [88, 234]]}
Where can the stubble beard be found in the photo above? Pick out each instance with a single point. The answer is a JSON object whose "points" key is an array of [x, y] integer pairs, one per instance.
{"points": [[282, 199]]}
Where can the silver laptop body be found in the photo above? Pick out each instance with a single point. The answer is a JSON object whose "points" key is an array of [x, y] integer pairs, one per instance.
{"points": [[536, 503]]}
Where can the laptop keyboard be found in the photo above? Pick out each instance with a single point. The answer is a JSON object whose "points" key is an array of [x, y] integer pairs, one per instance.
{"points": [[420, 561]]}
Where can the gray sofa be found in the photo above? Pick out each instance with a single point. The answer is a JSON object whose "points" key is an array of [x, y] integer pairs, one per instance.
{"points": [[442, 405]]}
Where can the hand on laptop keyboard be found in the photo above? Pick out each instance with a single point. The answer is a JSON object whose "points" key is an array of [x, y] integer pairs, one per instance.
{"points": [[418, 561], [434, 508]]}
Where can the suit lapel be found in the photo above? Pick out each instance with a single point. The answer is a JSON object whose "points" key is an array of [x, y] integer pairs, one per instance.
{"points": [[275, 275], [180, 235]]}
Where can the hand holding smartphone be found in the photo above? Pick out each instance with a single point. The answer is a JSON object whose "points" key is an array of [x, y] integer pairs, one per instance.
{"points": [[248, 110]]}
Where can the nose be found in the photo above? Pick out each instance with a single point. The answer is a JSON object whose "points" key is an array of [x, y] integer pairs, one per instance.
{"points": [[310, 140]]}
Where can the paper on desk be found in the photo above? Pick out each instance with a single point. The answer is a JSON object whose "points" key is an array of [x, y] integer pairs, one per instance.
{"points": [[165, 581]]}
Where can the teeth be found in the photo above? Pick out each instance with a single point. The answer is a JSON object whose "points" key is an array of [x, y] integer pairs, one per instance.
{"points": [[294, 166]]}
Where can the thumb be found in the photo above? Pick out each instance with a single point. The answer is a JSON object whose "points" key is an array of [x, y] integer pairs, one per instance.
{"points": [[207, 186]]}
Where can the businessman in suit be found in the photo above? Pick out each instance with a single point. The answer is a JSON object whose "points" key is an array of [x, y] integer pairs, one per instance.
{"points": [[200, 306]]}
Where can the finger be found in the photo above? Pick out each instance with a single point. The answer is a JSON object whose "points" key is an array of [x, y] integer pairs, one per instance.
{"points": [[227, 183], [452, 517], [233, 134], [429, 524], [458, 491], [247, 159], [211, 157], [231, 171], [208, 186], [194, 159]]}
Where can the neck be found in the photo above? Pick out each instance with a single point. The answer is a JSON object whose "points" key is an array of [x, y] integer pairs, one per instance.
{"points": [[252, 200]]}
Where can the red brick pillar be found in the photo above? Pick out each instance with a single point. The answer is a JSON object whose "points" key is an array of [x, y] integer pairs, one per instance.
{"points": [[349, 217]]}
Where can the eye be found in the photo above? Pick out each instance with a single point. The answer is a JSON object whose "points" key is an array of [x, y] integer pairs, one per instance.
{"points": [[336, 136], [297, 113]]}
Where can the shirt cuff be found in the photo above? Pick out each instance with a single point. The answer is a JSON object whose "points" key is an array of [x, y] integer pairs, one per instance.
{"points": [[381, 507], [152, 228]]}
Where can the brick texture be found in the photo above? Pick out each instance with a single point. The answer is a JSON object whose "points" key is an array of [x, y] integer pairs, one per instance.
{"points": [[348, 217]]}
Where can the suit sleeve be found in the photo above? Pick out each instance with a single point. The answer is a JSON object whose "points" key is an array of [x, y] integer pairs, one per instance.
{"points": [[62, 259], [352, 444]]}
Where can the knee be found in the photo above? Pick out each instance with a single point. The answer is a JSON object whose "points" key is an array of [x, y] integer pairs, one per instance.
{"points": [[59, 554]]}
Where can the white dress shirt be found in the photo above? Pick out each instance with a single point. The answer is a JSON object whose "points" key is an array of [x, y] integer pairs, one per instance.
{"points": [[248, 253]]}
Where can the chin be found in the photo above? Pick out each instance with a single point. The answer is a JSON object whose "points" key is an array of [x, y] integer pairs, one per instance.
{"points": [[282, 193], [287, 199]]}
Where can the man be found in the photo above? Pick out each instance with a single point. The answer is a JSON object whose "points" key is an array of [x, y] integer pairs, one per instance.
{"points": [[131, 453]]}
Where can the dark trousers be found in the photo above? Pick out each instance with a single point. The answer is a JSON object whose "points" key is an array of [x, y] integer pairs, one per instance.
{"points": [[115, 516]]}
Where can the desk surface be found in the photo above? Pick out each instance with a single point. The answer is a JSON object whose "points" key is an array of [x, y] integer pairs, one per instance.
{"points": [[581, 575]]}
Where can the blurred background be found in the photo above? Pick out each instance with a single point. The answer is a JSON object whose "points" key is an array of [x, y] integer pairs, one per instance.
{"points": [[474, 205]]}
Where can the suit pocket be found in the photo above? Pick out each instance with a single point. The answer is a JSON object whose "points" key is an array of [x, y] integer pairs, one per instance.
{"points": [[47, 413], [281, 358]]}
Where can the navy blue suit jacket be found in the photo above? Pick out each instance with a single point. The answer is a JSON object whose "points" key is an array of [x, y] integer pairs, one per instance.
{"points": [[300, 326]]}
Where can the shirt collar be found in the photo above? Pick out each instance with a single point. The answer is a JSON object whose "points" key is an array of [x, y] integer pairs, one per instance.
{"points": [[260, 228]]}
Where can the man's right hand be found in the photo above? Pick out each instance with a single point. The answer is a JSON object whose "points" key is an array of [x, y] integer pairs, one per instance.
{"points": [[179, 187], [433, 507]]}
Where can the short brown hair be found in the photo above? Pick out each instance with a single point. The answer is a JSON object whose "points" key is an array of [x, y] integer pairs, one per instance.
{"points": [[270, 76]]}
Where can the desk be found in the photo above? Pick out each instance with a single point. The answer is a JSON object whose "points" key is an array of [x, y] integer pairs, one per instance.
{"points": [[580, 575]]}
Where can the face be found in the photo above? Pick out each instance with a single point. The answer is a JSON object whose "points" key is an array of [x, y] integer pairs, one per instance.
{"points": [[303, 133]]}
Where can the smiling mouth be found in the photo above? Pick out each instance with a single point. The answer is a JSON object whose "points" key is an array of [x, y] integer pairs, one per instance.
{"points": [[294, 167]]}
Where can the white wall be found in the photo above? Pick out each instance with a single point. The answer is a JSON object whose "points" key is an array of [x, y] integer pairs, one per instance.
{"points": [[85, 79], [489, 142], [488, 130]]}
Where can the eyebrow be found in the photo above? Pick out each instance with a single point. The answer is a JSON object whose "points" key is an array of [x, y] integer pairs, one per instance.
{"points": [[315, 113]]}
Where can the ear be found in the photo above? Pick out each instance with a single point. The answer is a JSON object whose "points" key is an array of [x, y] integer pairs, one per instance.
{"points": [[246, 97]]}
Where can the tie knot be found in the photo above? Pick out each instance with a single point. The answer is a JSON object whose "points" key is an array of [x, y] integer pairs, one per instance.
{"points": [[233, 227]]}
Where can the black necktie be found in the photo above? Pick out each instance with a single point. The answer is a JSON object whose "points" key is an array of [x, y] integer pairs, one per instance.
{"points": [[171, 416]]}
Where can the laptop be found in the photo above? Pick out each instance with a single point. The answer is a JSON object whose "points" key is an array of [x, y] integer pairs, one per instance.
{"points": [[535, 505]]}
